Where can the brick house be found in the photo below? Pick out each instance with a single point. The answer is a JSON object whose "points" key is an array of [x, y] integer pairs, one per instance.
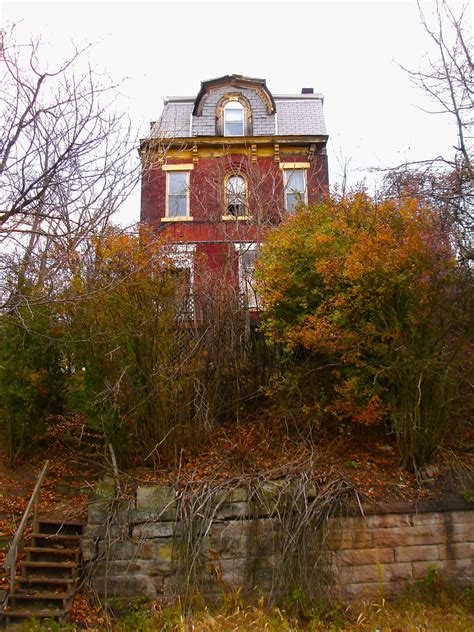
{"points": [[221, 167]]}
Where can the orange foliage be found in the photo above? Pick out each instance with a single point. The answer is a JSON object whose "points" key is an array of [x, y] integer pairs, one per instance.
{"points": [[360, 284]]}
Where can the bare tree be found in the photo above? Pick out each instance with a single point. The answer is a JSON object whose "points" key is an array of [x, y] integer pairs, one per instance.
{"points": [[65, 160], [448, 80]]}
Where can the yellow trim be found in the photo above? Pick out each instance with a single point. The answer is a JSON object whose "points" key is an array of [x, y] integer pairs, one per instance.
{"points": [[236, 218], [295, 165], [185, 218], [223, 149], [180, 167]]}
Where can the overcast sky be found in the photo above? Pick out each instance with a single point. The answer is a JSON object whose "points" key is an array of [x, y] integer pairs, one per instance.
{"points": [[349, 51]]}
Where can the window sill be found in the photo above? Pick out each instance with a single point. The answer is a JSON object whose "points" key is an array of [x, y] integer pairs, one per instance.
{"points": [[186, 218], [236, 218]]}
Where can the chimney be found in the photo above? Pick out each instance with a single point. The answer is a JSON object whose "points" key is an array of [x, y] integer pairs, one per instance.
{"points": [[307, 90]]}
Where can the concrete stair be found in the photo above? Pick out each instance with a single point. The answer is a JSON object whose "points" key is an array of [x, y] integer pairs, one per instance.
{"points": [[49, 574]]}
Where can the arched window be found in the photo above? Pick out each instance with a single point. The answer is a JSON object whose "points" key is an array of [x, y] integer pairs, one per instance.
{"points": [[233, 115], [236, 195], [234, 119]]}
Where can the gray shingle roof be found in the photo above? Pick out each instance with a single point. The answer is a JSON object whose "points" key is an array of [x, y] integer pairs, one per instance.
{"points": [[297, 115], [175, 120], [300, 116]]}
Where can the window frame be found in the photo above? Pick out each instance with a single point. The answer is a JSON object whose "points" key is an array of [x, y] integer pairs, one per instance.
{"points": [[288, 168], [231, 216], [170, 170], [245, 288], [229, 106], [227, 101], [183, 257]]}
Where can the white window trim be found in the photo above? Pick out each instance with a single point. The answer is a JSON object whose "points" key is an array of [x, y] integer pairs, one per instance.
{"points": [[229, 105], [240, 248], [173, 169], [295, 166]]}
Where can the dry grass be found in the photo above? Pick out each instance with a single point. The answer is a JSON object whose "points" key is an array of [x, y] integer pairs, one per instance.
{"points": [[403, 615]]}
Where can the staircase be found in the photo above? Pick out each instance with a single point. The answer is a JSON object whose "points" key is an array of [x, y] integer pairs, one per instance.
{"points": [[49, 575]]}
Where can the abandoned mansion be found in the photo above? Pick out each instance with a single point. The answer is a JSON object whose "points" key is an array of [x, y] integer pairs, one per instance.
{"points": [[221, 167]]}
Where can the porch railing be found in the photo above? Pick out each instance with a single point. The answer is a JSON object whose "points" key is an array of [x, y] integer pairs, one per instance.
{"points": [[10, 559]]}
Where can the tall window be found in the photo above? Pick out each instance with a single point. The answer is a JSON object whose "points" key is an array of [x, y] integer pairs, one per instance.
{"points": [[234, 119], [178, 193], [295, 188], [247, 256], [236, 196]]}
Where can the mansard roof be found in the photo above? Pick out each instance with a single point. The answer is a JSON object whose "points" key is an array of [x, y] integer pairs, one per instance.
{"points": [[291, 114], [235, 81]]}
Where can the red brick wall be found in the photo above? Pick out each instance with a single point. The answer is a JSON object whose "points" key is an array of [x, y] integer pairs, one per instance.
{"points": [[265, 194]]}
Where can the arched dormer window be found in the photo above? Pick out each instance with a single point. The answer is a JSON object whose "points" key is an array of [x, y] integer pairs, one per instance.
{"points": [[234, 121], [235, 195], [233, 116]]}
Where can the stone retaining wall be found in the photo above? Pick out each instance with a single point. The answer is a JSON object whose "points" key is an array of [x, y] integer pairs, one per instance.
{"points": [[139, 548]]}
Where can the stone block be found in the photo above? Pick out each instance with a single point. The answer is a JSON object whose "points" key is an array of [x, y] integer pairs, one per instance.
{"points": [[389, 521], [369, 590], [165, 515], [375, 573], [146, 549], [462, 529], [118, 550], [232, 510], [104, 491], [463, 517], [230, 540], [116, 567], [432, 518], [122, 512], [157, 499], [232, 572], [98, 511], [409, 536], [164, 553], [125, 586], [416, 553], [236, 495], [366, 556], [345, 539], [88, 549], [153, 530], [460, 550]]}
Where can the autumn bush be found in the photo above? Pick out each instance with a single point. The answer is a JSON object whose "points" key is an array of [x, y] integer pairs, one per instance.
{"points": [[150, 366], [32, 373], [154, 367], [370, 309]]}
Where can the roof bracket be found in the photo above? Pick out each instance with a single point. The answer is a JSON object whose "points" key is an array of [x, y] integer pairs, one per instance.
{"points": [[276, 150]]}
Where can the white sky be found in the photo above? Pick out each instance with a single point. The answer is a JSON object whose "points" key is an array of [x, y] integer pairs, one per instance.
{"points": [[349, 51]]}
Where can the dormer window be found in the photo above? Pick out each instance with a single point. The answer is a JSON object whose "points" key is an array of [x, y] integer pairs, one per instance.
{"points": [[234, 119], [233, 116]]}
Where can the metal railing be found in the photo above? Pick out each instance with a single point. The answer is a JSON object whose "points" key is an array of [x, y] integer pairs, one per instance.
{"points": [[10, 559]]}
